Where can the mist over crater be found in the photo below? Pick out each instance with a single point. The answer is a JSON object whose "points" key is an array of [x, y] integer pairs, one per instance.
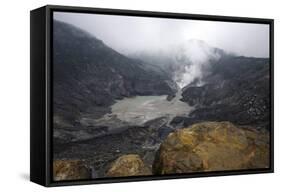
{"points": [[130, 34], [184, 49]]}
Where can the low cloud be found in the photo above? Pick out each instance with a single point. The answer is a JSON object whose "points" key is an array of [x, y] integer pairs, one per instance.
{"points": [[170, 39], [129, 34]]}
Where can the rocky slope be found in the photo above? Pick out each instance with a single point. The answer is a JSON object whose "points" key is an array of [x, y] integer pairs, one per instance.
{"points": [[89, 76], [206, 146], [235, 89], [100, 152]]}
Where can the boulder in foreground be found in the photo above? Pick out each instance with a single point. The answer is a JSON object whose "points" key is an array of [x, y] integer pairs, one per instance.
{"points": [[212, 146], [128, 165], [70, 170]]}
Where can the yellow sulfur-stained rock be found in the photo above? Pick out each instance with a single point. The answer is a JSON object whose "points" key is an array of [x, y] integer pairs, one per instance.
{"points": [[70, 170], [212, 146], [128, 165]]}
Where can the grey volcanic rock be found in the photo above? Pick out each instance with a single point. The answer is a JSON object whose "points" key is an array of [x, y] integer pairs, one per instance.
{"points": [[101, 151], [181, 121], [236, 89], [89, 76]]}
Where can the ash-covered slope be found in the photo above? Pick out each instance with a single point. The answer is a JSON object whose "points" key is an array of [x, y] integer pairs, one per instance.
{"points": [[235, 89], [88, 74]]}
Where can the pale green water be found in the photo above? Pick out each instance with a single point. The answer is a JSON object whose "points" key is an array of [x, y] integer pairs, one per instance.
{"points": [[140, 109]]}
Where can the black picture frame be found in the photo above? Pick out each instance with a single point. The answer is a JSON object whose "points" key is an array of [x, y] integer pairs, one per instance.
{"points": [[41, 93]]}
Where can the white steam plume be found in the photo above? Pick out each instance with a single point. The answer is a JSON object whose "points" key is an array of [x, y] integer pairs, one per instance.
{"points": [[191, 58]]}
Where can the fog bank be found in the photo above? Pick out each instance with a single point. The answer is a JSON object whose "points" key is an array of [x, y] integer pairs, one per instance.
{"points": [[128, 34]]}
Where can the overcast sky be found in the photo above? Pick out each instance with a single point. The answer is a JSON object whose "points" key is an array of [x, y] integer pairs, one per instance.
{"points": [[128, 34]]}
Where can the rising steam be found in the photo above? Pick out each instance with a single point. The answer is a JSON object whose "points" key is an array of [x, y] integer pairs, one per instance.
{"points": [[191, 58]]}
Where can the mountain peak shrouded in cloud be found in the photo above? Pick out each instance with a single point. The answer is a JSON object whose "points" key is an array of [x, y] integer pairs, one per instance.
{"points": [[183, 48], [186, 62], [129, 34]]}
